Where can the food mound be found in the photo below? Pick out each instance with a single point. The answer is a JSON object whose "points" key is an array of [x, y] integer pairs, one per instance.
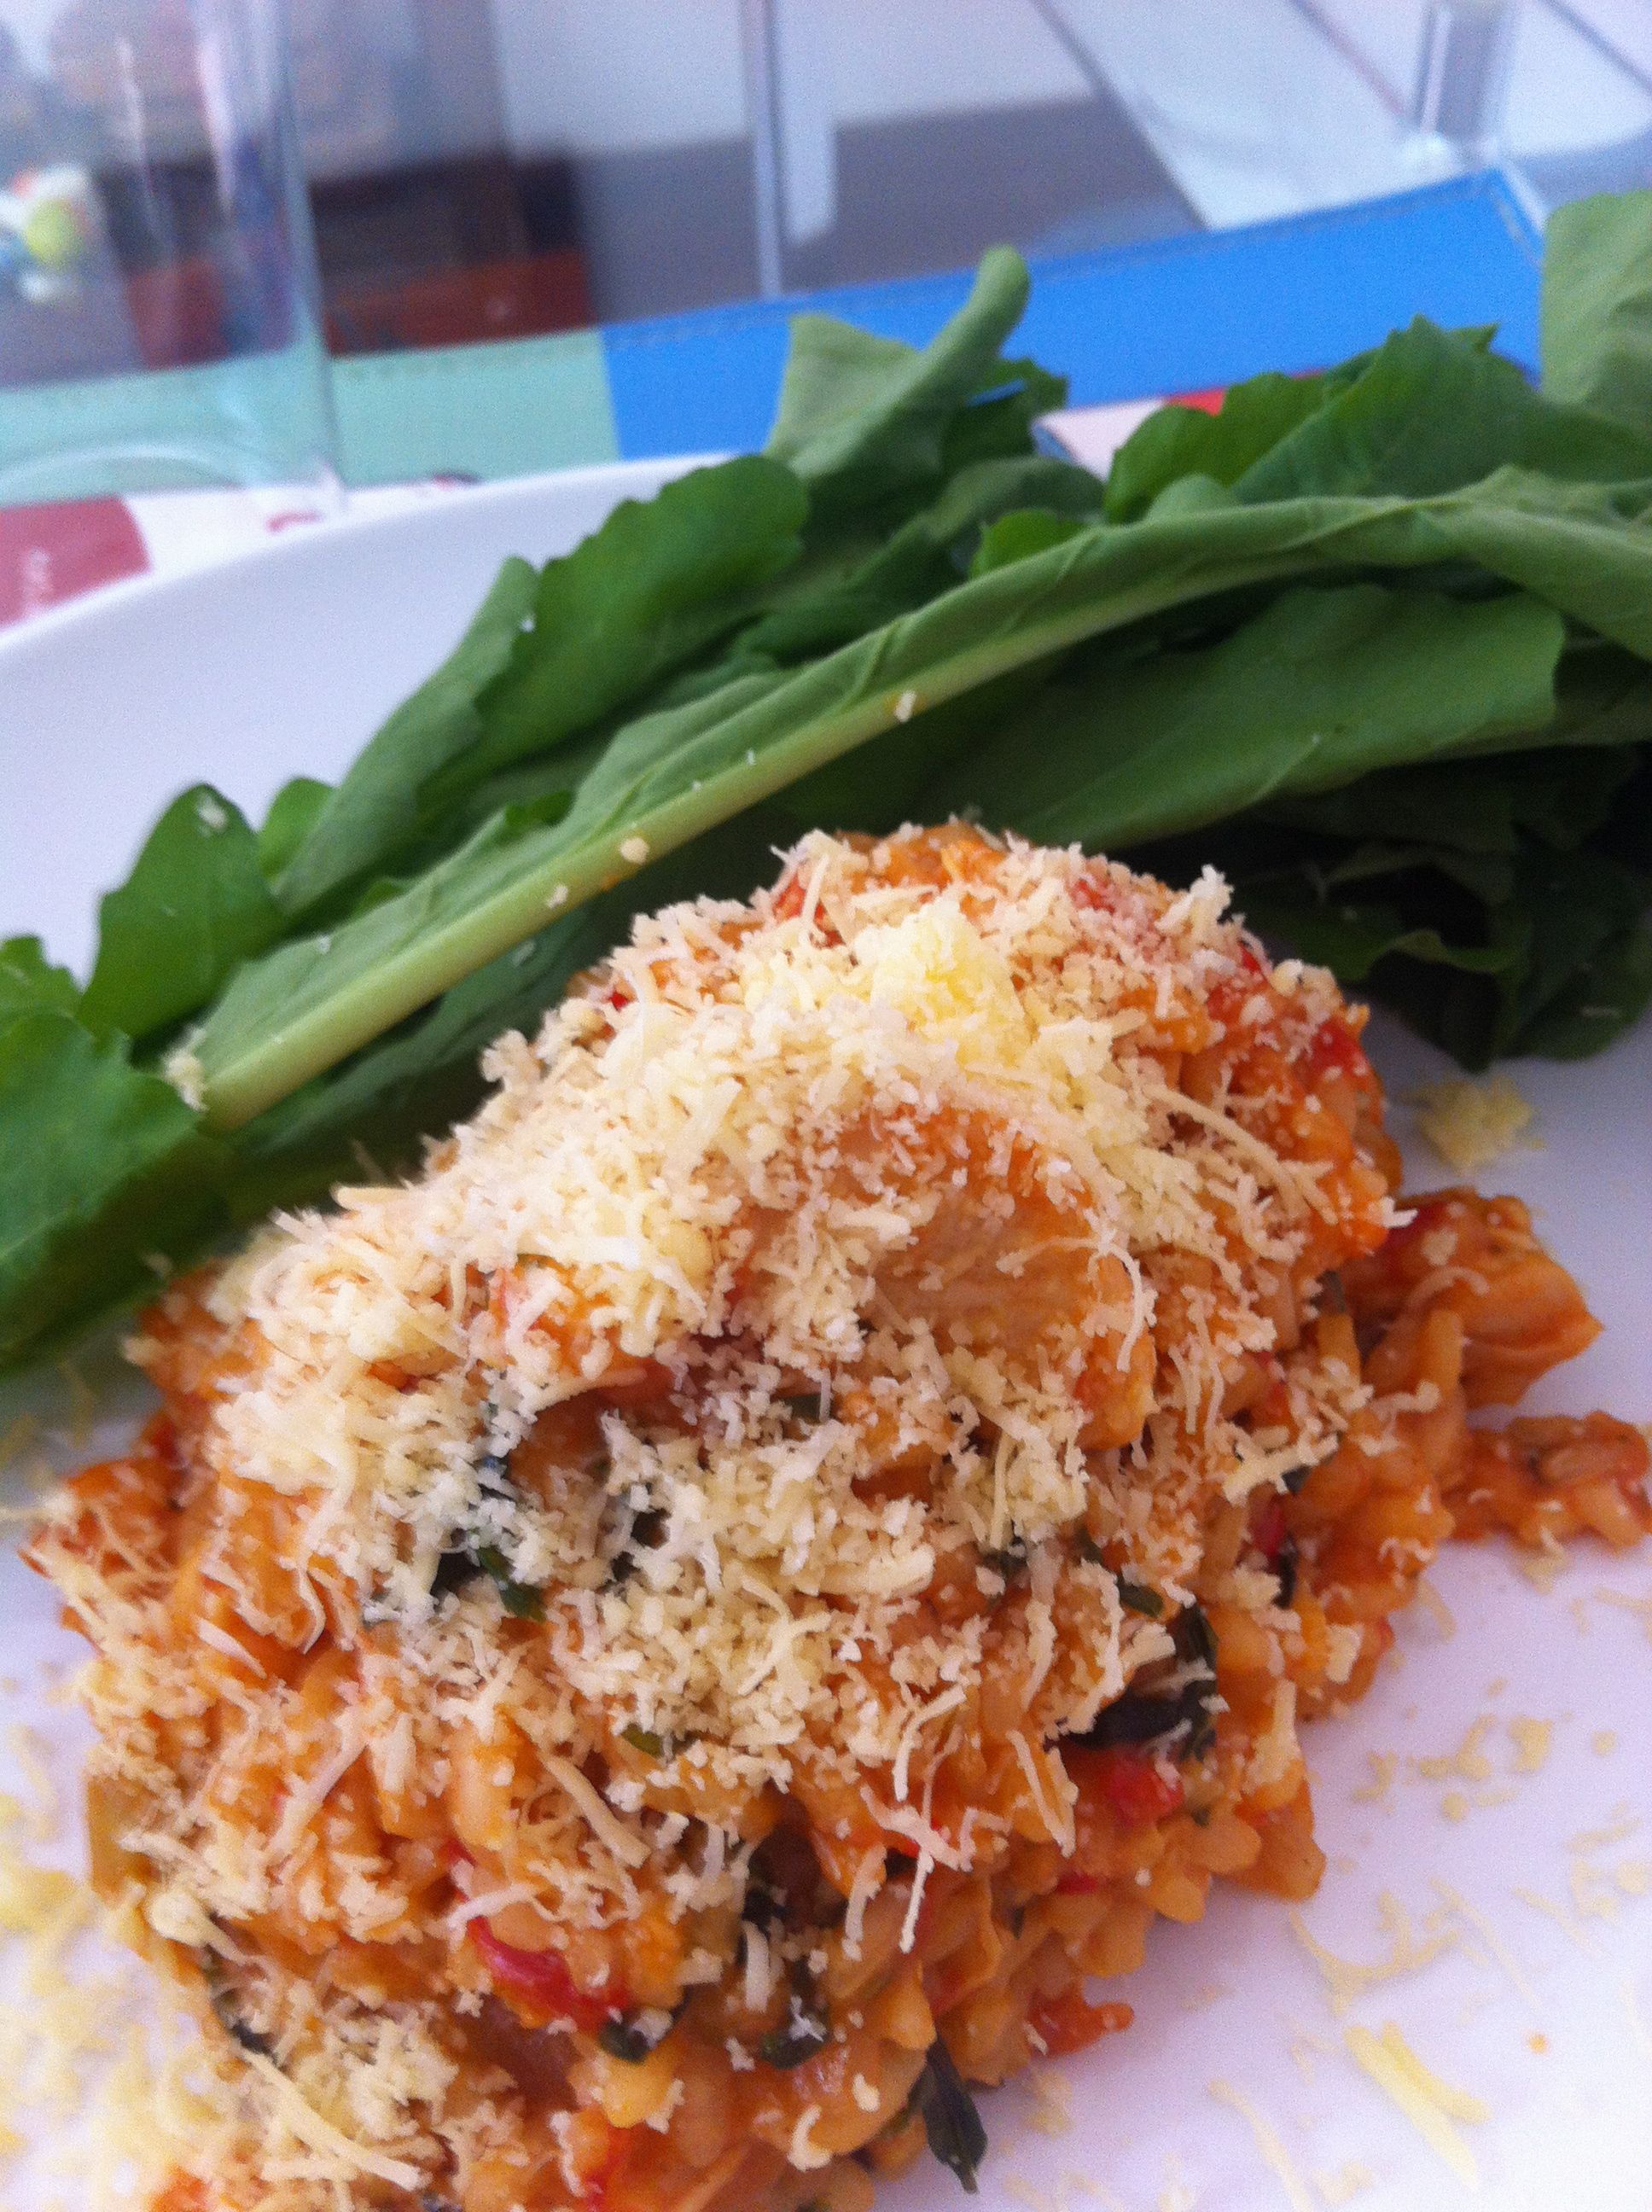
{"points": [[633, 1669]]}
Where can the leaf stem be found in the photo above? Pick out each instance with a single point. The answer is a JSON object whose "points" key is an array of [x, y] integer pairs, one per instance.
{"points": [[254, 1075]]}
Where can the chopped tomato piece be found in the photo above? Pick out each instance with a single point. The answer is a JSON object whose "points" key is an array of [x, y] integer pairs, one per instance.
{"points": [[1229, 997], [789, 897], [1131, 1782], [1267, 1530], [1400, 1244], [183, 2192], [1071, 2022], [1096, 894], [1335, 1047], [541, 1980]]}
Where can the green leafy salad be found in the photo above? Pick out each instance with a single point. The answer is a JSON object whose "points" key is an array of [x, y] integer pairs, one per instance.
{"points": [[1375, 642]]}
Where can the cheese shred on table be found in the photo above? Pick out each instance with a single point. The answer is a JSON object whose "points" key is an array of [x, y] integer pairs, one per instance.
{"points": [[632, 1667]]}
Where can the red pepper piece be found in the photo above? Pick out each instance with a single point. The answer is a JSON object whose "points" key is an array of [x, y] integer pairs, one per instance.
{"points": [[541, 1981], [1335, 1047], [1071, 2022], [1130, 1781], [1268, 1530]]}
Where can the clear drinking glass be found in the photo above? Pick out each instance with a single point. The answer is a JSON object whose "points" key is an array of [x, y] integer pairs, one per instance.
{"points": [[160, 316]]}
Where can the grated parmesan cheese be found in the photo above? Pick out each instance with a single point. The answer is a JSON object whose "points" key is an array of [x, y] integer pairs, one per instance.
{"points": [[1430, 2104], [1410, 1948], [1266, 2138], [1471, 1124], [893, 1166]]}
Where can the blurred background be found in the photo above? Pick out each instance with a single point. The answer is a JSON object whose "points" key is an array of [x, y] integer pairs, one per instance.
{"points": [[494, 168]]}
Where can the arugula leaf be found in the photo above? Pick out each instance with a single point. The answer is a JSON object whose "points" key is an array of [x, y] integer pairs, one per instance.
{"points": [[105, 1164], [927, 555], [1322, 687], [1608, 990], [1487, 877], [1001, 428], [842, 796], [1596, 311], [1351, 936], [28, 982], [1568, 910], [1188, 441], [194, 906], [861, 418], [294, 812], [1254, 417], [1546, 932], [673, 775], [377, 806], [658, 583], [1473, 806], [1433, 412], [1016, 536]]}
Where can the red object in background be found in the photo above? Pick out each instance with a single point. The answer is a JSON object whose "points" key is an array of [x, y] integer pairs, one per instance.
{"points": [[52, 553], [178, 313], [1206, 403], [527, 296]]}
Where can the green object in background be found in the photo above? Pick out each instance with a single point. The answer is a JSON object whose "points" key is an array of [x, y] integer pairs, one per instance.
{"points": [[484, 411], [166, 429], [476, 410]]}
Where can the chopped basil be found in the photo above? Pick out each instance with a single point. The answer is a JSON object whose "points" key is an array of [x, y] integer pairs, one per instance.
{"points": [[949, 2117], [765, 1908], [464, 1558], [1294, 1477], [1009, 1560], [808, 1405], [645, 1741], [222, 2001], [1143, 1716], [807, 2029], [1136, 1597], [644, 1536], [783, 2048], [624, 2038], [455, 1569], [1194, 1637], [1284, 1570], [1140, 1716], [1089, 1550], [520, 1599], [1195, 1643]]}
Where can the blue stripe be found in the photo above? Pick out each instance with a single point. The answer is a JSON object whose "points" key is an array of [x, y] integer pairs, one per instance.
{"points": [[1175, 315]]}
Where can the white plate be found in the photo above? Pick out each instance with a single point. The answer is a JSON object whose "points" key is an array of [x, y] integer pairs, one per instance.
{"points": [[280, 664]]}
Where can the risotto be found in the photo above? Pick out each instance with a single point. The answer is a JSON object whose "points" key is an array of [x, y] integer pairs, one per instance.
{"points": [[632, 1671]]}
